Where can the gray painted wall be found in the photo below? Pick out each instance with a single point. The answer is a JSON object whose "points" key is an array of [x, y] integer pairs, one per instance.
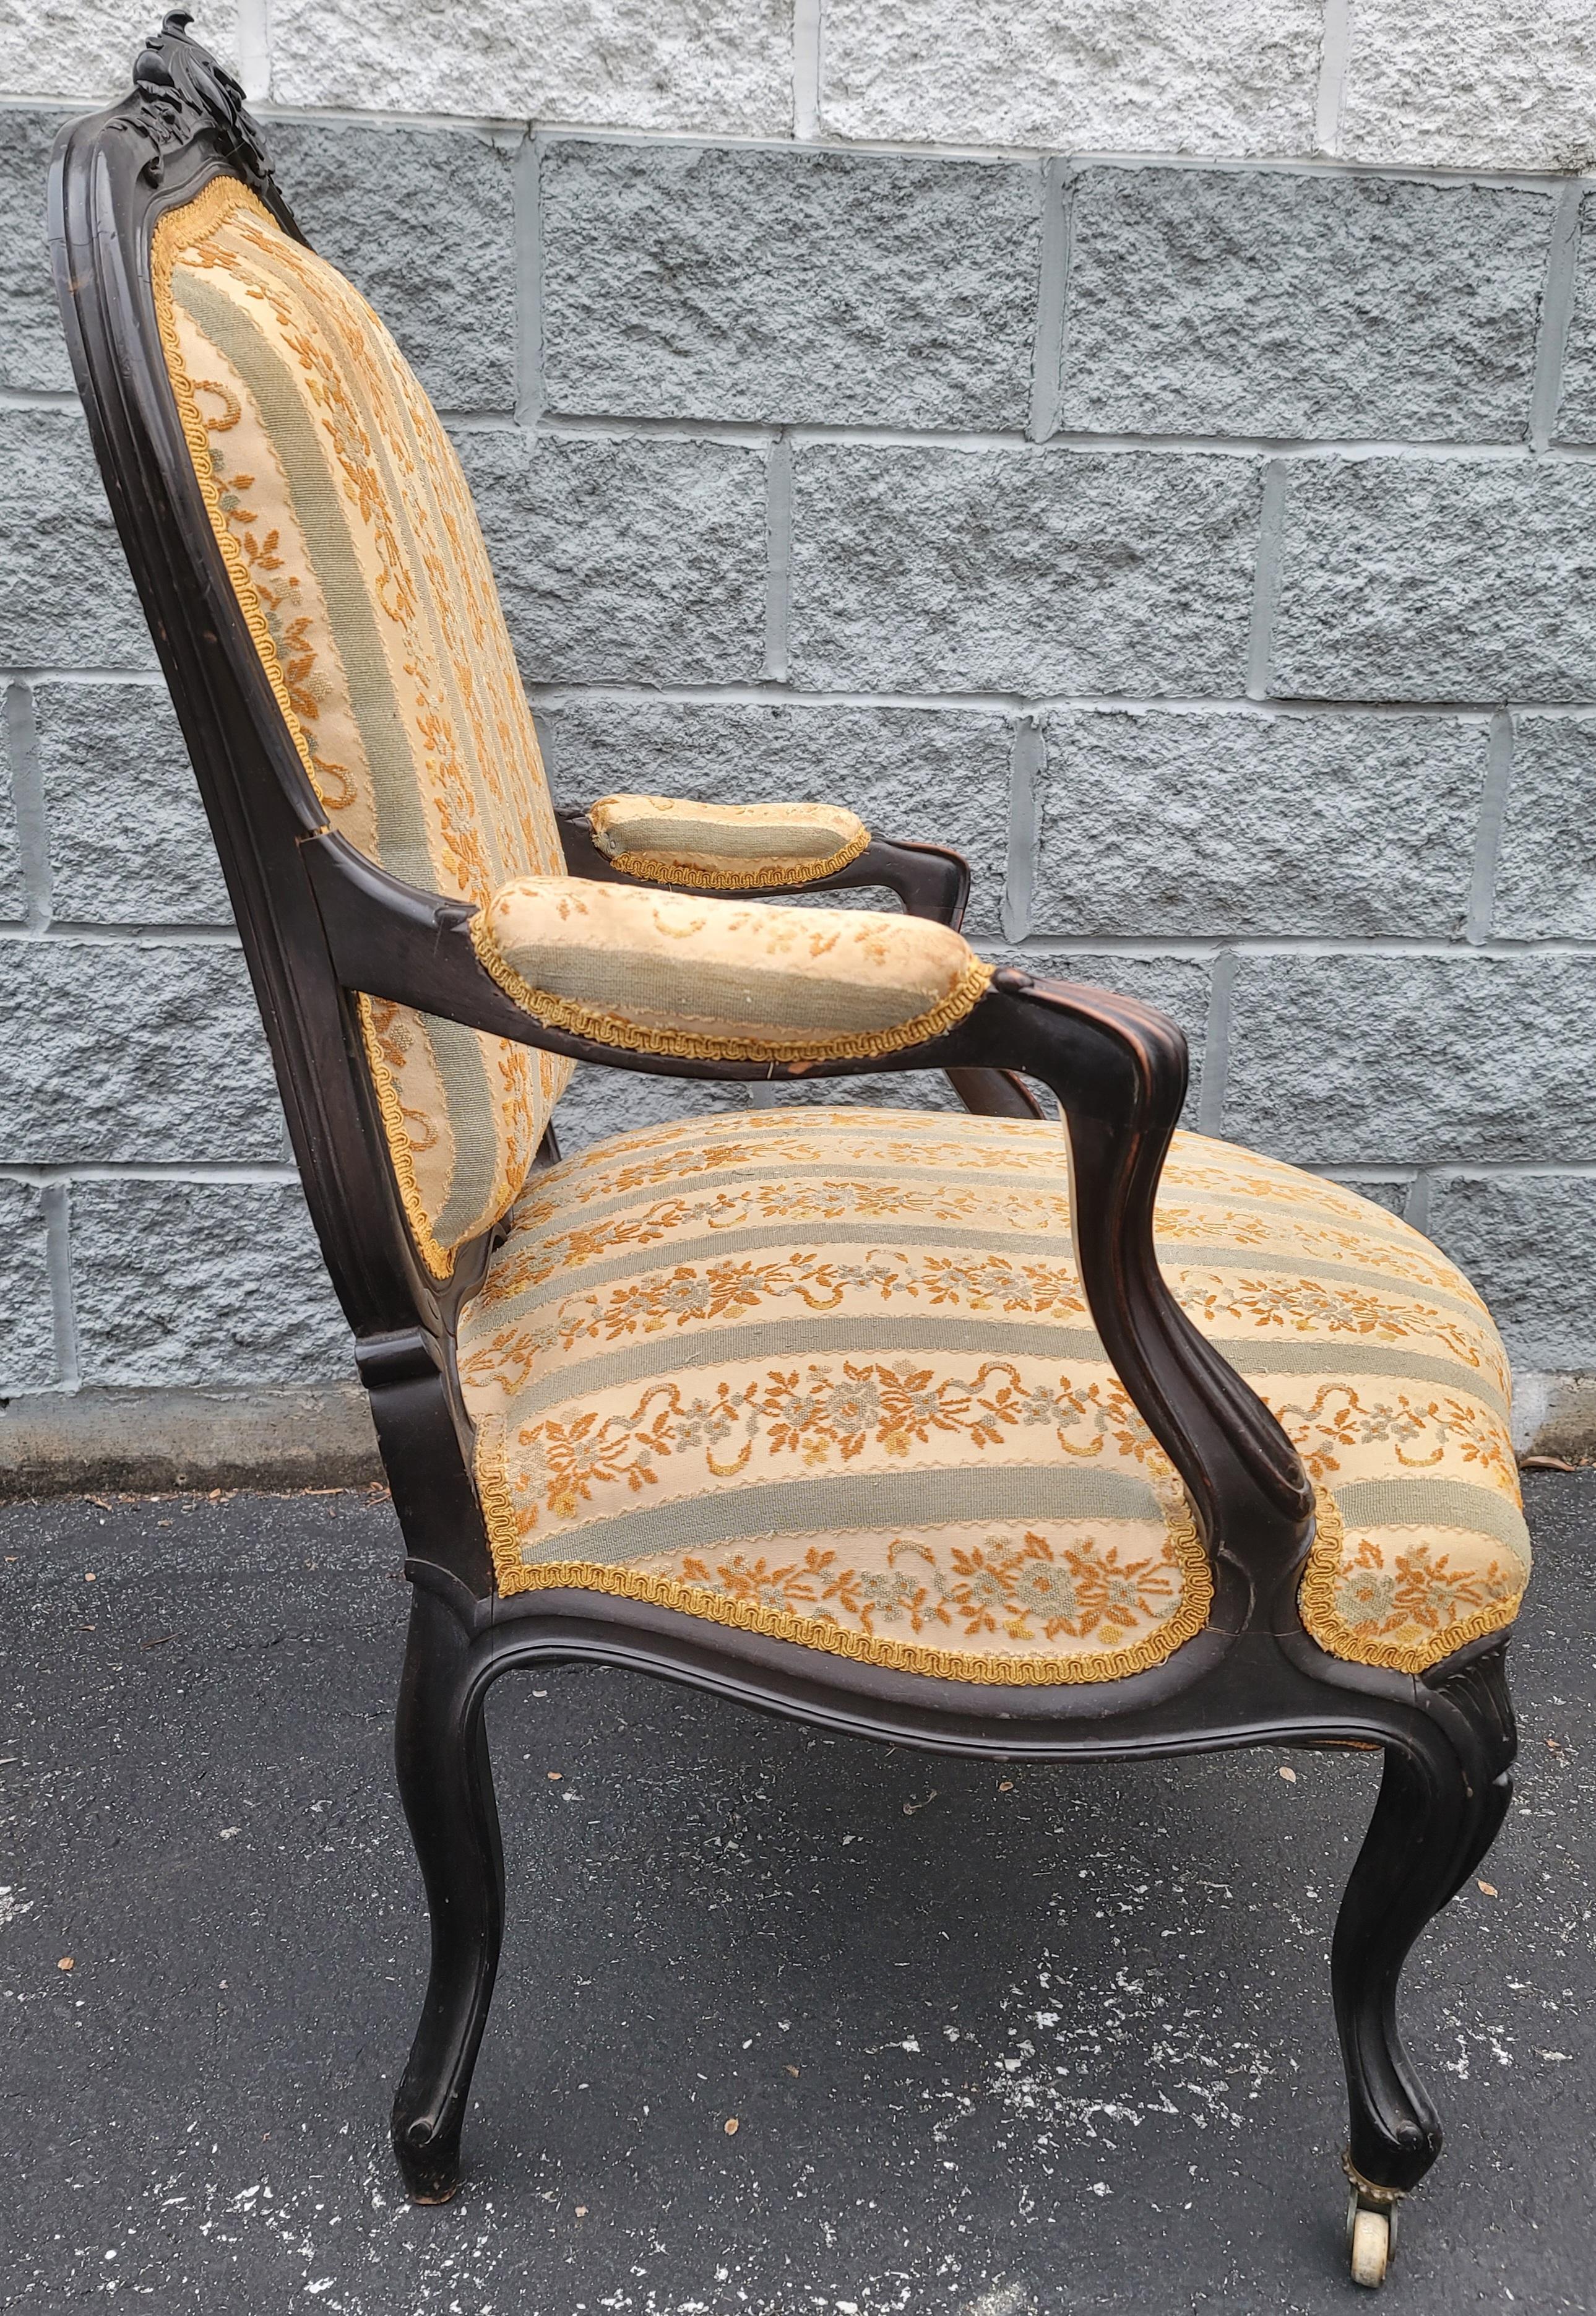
{"points": [[1206, 547]]}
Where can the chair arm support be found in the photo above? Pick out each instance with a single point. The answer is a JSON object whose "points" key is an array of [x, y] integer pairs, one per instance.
{"points": [[930, 881], [1118, 1069]]}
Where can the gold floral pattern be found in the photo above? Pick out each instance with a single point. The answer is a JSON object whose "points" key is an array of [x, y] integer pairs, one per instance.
{"points": [[1021, 1588], [1405, 1599], [721, 1326]]}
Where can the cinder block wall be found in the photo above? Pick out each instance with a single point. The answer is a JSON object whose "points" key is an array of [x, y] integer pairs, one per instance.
{"points": [[1153, 451]]}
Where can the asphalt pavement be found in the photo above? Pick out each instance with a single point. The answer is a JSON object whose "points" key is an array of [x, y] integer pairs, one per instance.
{"points": [[996, 2041]]}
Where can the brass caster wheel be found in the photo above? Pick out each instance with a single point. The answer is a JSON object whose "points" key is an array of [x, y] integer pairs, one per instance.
{"points": [[1371, 2240]]}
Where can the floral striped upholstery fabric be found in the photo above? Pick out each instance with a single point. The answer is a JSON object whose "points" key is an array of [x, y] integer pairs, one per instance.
{"points": [[726, 846], [830, 1375], [352, 543], [724, 980]]}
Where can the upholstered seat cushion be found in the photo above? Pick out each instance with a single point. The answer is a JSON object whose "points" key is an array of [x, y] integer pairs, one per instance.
{"points": [[830, 1375]]}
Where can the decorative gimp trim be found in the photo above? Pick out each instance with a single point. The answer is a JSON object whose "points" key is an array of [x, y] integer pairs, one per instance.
{"points": [[774, 876], [1318, 1601], [988, 1669]]}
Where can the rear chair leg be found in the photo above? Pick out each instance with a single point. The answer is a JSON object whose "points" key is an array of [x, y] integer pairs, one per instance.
{"points": [[446, 1783], [1441, 1804]]}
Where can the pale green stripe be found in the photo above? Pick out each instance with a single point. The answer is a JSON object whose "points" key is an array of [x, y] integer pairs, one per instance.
{"points": [[827, 1335], [1435, 1503], [1257, 1357], [744, 995], [727, 1514]]}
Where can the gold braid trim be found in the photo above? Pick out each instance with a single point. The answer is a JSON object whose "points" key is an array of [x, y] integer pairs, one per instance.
{"points": [[514, 1575], [656, 869], [607, 1028], [180, 228], [438, 1257], [1323, 1619]]}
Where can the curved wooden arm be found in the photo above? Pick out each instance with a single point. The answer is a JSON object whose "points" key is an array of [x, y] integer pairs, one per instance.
{"points": [[930, 881], [1118, 1069]]}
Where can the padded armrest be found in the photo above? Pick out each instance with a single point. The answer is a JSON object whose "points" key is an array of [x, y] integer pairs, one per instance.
{"points": [[664, 972], [725, 847]]}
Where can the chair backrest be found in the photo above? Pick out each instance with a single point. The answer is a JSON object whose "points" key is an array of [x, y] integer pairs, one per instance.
{"points": [[343, 528]]}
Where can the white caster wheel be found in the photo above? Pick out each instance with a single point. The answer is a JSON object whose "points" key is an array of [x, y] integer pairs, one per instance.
{"points": [[1371, 2238]]}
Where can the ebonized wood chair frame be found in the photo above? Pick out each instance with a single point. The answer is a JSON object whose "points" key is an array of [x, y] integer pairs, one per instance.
{"points": [[318, 922]]}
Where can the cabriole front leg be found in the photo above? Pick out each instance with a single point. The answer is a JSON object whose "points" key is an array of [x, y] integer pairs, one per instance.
{"points": [[1441, 1800], [446, 1783]]}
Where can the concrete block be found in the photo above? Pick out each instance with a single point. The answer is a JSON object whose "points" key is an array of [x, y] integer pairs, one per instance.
{"points": [[832, 287], [723, 67], [1177, 985], [1437, 579], [201, 1283], [1546, 869], [1411, 1060], [1528, 1243], [128, 840], [32, 351], [600, 1102], [876, 1089], [1240, 302], [1493, 83], [1101, 75], [28, 1334], [121, 1050], [1576, 415], [938, 778], [86, 48], [1390, 1192], [14, 896], [66, 598], [422, 222], [1234, 825], [1036, 571], [625, 559]]}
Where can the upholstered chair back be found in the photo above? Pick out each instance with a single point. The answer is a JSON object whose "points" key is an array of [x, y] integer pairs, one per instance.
{"points": [[350, 536]]}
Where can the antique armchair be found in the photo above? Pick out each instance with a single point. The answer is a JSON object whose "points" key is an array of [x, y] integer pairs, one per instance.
{"points": [[976, 1432]]}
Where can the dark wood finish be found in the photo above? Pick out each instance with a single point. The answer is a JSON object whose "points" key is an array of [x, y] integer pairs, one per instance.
{"points": [[318, 923]]}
